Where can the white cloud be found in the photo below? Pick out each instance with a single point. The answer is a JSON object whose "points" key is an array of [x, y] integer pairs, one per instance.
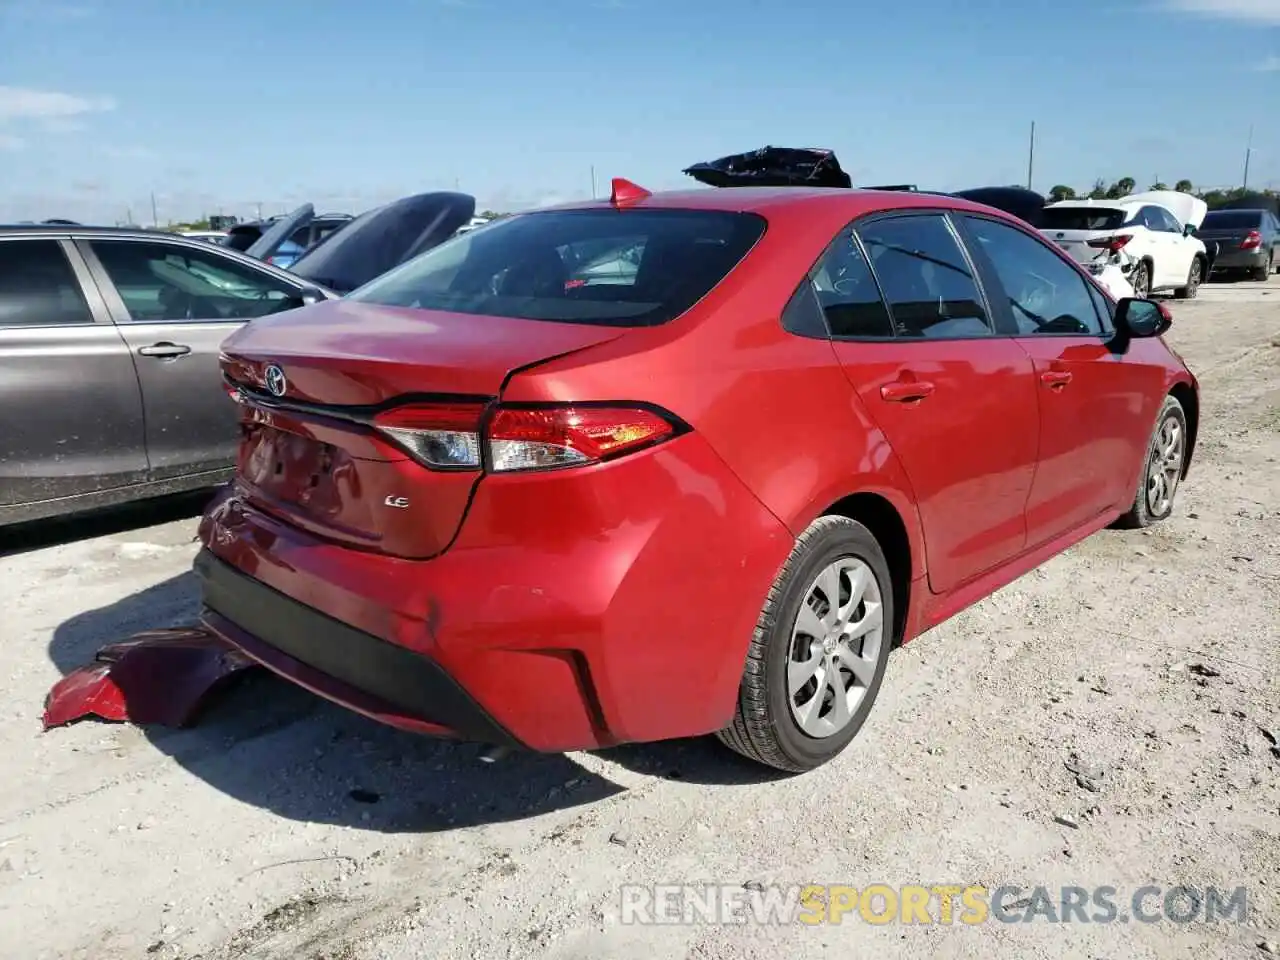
{"points": [[11, 143], [1269, 65], [1250, 11], [22, 103]]}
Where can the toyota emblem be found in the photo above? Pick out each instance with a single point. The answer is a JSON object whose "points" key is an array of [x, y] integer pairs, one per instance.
{"points": [[275, 380]]}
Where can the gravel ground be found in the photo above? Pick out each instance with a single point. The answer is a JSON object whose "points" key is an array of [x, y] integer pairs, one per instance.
{"points": [[1128, 688]]}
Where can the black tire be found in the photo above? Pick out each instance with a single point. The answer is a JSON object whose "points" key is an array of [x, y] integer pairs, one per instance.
{"points": [[1195, 276], [1141, 274], [1261, 274], [1142, 513], [763, 727]]}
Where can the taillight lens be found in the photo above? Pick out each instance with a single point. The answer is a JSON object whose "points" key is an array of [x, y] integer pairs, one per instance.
{"points": [[568, 436], [448, 436], [441, 435], [1252, 240], [1114, 244]]}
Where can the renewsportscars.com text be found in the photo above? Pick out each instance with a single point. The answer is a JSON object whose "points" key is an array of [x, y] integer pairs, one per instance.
{"points": [[944, 904]]}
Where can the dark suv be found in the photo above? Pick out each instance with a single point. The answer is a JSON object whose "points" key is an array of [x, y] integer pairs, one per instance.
{"points": [[1246, 241]]}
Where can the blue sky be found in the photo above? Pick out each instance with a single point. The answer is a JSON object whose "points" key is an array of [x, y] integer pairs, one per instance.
{"points": [[220, 105]]}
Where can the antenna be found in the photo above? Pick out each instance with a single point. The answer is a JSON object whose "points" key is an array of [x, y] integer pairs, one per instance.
{"points": [[1031, 154]]}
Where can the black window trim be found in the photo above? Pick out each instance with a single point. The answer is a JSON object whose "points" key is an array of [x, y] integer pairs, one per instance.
{"points": [[115, 305], [1006, 312], [89, 293], [947, 215]]}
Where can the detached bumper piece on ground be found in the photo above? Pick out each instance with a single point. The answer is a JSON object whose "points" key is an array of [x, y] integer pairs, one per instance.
{"points": [[160, 676]]}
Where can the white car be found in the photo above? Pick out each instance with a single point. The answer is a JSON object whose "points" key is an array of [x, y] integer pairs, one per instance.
{"points": [[1156, 229]]}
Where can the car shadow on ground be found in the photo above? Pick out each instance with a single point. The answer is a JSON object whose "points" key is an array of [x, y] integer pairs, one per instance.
{"points": [[38, 535], [275, 746]]}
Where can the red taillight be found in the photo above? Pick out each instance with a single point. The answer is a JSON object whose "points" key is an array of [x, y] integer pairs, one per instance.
{"points": [[521, 438], [1113, 244], [1252, 241], [441, 435], [549, 437]]}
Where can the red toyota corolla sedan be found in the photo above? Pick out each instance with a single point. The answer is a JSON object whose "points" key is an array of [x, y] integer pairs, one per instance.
{"points": [[673, 464]]}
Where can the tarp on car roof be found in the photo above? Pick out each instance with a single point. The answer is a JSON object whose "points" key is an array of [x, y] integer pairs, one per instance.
{"points": [[773, 167]]}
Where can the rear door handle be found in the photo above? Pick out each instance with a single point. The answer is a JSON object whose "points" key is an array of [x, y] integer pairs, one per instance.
{"points": [[905, 391], [1055, 379], [165, 350]]}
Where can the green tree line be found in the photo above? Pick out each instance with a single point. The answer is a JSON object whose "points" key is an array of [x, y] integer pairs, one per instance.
{"points": [[1101, 190]]}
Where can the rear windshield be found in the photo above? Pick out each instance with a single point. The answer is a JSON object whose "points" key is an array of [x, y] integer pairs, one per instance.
{"points": [[1232, 220], [623, 268], [1082, 218]]}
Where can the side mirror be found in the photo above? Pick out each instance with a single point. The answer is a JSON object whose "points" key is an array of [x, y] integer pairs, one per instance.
{"points": [[1140, 319], [1189, 230], [310, 296]]}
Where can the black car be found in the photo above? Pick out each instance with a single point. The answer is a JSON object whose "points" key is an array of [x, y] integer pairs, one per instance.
{"points": [[1246, 241]]}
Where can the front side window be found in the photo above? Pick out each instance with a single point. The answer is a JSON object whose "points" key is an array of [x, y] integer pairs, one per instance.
{"points": [[627, 268], [163, 281], [925, 277], [847, 292], [1046, 294], [38, 287]]}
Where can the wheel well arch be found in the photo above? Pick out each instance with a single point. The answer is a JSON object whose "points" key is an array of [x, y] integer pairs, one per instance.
{"points": [[880, 516], [1185, 395]]}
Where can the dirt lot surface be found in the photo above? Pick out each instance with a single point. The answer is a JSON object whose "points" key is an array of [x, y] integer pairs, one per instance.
{"points": [[1148, 662]]}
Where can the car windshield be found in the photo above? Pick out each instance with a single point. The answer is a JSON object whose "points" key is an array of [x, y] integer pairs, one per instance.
{"points": [[1232, 220], [626, 268], [1082, 218]]}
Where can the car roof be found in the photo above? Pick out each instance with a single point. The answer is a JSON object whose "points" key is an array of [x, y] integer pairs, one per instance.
{"points": [[1104, 204], [849, 202], [62, 230]]}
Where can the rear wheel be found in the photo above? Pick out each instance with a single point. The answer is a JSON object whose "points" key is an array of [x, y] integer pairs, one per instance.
{"points": [[1263, 274], [1162, 470], [1194, 276], [1140, 279], [818, 654]]}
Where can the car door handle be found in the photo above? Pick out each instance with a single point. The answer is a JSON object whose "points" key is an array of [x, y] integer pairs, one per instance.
{"points": [[1055, 379], [906, 391], [165, 350]]}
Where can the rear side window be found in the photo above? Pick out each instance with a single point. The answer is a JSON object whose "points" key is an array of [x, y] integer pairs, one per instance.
{"points": [[626, 268], [1082, 218], [38, 287], [925, 277], [172, 282], [848, 294], [1232, 220]]}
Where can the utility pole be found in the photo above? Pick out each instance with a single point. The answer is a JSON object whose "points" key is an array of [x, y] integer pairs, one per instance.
{"points": [[1031, 154], [259, 206], [155, 218], [594, 192], [1248, 152]]}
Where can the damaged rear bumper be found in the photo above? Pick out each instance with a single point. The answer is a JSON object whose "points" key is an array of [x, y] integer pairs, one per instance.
{"points": [[361, 672]]}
